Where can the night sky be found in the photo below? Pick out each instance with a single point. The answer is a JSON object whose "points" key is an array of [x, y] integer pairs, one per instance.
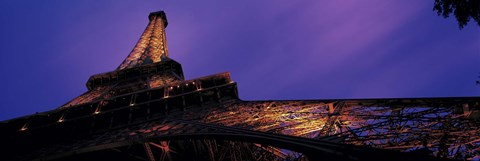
{"points": [[282, 49]]}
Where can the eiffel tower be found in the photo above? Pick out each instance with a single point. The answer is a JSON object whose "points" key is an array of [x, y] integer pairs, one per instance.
{"points": [[146, 110]]}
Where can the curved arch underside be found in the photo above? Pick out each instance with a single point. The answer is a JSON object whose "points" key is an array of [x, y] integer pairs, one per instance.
{"points": [[268, 145]]}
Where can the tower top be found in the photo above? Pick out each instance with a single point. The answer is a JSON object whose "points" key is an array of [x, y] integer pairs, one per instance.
{"points": [[152, 45], [160, 14]]}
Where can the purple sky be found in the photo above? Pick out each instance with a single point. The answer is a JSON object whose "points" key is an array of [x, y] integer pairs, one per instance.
{"points": [[282, 49]]}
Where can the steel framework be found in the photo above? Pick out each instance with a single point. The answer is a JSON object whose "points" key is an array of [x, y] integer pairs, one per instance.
{"points": [[145, 110]]}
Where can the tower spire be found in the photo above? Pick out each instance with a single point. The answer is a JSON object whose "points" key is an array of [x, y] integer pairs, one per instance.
{"points": [[152, 45]]}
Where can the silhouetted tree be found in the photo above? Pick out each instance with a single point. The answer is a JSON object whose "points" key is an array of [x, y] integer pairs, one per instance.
{"points": [[462, 9]]}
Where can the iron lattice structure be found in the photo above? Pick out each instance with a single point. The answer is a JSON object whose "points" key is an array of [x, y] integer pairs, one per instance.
{"points": [[145, 110]]}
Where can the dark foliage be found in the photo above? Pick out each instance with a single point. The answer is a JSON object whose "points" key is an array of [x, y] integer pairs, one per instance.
{"points": [[464, 10]]}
